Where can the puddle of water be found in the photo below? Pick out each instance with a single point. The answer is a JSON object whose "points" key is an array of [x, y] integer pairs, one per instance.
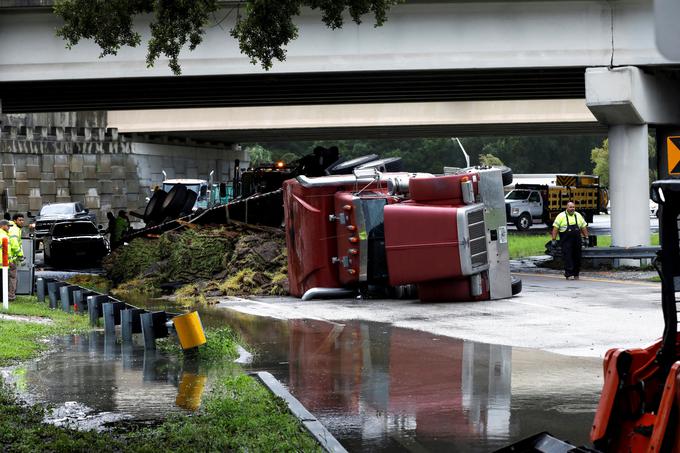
{"points": [[378, 387], [91, 380], [374, 386]]}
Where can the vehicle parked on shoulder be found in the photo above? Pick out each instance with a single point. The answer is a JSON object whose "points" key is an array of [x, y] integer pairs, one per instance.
{"points": [[54, 212], [540, 203], [75, 243]]}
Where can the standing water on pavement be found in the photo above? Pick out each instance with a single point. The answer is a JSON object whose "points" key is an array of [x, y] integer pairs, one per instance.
{"points": [[374, 386]]}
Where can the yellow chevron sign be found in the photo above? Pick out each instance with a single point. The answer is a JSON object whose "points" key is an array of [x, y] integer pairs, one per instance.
{"points": [[673, 154]]}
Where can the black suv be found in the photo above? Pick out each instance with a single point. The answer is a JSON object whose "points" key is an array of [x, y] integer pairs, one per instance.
{"points": [[51, 213]]}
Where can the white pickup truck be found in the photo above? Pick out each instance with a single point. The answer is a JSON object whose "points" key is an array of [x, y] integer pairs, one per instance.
{"points": [[523, 207]]}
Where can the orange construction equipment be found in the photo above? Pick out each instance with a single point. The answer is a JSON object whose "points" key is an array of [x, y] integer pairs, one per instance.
{"points": [[639, 408]]}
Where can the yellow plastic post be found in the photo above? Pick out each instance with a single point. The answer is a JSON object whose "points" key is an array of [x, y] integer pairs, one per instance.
{"points": [[189, 330]]}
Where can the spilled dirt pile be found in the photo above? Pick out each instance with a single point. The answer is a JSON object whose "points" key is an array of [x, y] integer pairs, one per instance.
{"points": [[234, 259]]}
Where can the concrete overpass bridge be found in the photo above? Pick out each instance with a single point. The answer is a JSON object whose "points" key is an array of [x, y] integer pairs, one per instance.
{"points": [[436, 67]]}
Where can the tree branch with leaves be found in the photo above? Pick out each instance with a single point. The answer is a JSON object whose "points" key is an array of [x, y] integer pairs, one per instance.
{"points": [[263, 28]]}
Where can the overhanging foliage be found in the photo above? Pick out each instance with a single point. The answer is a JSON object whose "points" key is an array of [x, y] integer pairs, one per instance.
{"points": [[263, 27]]}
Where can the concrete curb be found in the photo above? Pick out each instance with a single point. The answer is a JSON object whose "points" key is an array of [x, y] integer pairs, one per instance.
{"points": [[315, 428]]}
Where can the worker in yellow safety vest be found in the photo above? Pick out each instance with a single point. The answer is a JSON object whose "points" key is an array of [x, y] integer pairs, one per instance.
{"points": [[571, 226], [16, 252], [4, 233]]}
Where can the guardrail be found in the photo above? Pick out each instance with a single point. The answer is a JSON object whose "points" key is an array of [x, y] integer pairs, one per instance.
{"points": [[131, 319], [635, 253], [639, 252]]}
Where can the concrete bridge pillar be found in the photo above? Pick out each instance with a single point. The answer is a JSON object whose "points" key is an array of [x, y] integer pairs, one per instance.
{"points": [[629, 185], [628, 101]]}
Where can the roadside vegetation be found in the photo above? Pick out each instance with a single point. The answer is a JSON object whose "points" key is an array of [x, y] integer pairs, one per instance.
{"points": [[239, 414], [22, 340], [203, 261], [97, 283]]}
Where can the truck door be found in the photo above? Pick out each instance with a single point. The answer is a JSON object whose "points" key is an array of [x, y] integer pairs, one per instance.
{"points": [[535, 205]]}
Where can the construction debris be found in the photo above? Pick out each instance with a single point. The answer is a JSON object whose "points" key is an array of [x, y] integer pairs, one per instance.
{"points": [[233, 259]]}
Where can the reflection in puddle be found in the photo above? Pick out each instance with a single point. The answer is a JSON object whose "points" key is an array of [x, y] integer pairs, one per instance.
{"points": [[92, 379], [374, 386], [378, 387]]}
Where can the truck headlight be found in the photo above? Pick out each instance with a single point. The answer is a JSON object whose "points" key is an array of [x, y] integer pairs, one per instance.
{"points": [[514, 211]]}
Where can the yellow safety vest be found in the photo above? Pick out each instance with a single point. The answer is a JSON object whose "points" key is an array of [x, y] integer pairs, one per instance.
{"points": [[16, 252], [561, 221]]}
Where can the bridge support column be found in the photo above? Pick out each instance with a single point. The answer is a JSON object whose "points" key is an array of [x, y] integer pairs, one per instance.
{"points": [[629, 186], [628, 100]]}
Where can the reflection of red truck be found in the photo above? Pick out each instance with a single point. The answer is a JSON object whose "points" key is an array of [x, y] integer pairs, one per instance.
{"points": [[445, 234]]}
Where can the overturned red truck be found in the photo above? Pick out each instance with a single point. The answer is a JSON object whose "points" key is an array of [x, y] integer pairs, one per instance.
{"points": [[444, 235]]}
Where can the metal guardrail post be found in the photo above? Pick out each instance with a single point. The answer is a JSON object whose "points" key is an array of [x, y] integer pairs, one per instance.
{"points": [[66, 296], [77, 298], [126, 326], [111, 312], [130, 323], [82, 302], [94, 308], [148, 331], [53, 292], [40, 289], [109, 325], [153, 326]]}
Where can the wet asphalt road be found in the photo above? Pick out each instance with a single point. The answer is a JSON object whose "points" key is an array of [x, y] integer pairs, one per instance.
{"points": [[578, 318]]}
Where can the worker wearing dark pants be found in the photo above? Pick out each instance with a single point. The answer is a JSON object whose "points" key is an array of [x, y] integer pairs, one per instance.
{"points": [[571, 227]]}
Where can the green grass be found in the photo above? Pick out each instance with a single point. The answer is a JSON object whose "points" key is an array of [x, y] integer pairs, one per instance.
{"points": [[240, 415], [21, 340], [220, 344], [522, 245]]}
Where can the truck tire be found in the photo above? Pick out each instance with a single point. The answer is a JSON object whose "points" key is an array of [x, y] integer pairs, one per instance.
{"points": [[523, 222], [189, 202], [515, 285], [506, 175], [389, 164], [174, 201], [154, 207], [506, 172], [348, 166], [589, 217]]}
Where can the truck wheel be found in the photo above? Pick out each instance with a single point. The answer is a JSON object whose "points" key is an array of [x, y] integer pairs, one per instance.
{"points": [[174, 201], [389, 164], [153, 209], [348, 166], [515, 284], [524, 222], [506, 175], [189, 203]]}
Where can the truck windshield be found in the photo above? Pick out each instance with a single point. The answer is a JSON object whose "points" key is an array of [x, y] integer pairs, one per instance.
{"points": [[194, 187], [56, 209], [518, 195], [74, 229]]}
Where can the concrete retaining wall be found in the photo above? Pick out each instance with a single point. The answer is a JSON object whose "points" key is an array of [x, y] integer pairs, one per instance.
{"points": [[48, 158]]}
